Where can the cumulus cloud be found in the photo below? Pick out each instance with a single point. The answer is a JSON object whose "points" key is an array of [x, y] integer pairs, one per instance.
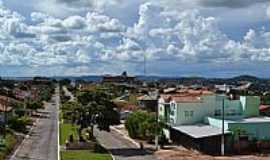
{"points": [[96, 41]]}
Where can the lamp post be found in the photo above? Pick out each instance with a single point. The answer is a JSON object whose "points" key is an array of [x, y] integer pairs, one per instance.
{"points": [[223, 136], [156, 126]]}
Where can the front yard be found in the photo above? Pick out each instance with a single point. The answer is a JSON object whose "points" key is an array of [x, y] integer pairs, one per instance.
{"points": [[84, 155], [66, 130]]}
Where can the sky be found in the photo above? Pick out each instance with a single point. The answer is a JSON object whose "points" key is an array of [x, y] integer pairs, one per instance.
{"points": [[208, 38]]}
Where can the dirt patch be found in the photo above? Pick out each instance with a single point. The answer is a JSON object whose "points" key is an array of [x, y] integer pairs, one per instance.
{"points": [[181, 153]]}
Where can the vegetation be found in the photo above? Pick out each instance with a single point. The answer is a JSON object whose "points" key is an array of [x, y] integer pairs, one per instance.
{"points": [[84, 155], [92, 108], [34, 105], [143, 125], [66, 130], [9, 142], [19, 123]]}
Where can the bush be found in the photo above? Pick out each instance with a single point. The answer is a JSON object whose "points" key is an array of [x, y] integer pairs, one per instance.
{"points": [[143, 125], [19, 124], [136, 124]]}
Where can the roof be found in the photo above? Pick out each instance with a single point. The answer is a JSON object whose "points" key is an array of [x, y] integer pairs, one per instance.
{"points": [[186, 99], [147, 98], [129, 107], [254, 120], [5, 109], [6, 100], [200, 130], [264, 107], [186, 95]]}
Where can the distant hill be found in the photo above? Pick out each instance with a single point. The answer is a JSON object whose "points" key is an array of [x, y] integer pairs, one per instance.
{"points": [[155, 78], [246, 78]]}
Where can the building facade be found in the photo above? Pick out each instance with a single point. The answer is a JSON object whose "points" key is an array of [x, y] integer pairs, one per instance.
{"points": [[199, 116]]}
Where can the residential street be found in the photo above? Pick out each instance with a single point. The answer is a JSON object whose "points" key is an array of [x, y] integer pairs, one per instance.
{"points": [[42, 142], [68, 93], [121, 148]]}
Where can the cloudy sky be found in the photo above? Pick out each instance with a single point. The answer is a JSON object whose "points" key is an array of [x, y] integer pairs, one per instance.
{"points": [[214, 38]]}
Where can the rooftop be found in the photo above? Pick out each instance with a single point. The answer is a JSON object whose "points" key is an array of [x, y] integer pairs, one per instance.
{"points": [[254, 120], [264, 107], [186, 95], [200, 130]]}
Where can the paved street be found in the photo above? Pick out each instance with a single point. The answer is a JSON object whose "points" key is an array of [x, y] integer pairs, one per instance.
{"points": [[42, 142], [121, 148], [68, 93]]}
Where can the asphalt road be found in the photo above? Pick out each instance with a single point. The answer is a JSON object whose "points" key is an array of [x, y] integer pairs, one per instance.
{"points": [[42, 142], [121, 148]]}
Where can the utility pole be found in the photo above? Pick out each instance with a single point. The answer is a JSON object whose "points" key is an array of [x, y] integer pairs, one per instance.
{"points": [[144, 65], [223, 137]]}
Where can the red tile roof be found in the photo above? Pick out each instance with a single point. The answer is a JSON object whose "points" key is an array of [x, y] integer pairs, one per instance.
{"points": [[264, 107], [186, 95]]}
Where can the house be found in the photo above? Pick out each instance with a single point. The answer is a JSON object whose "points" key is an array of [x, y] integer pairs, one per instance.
{"points": [[264, 110], [149, 101], [194, 119], [6, 109]]}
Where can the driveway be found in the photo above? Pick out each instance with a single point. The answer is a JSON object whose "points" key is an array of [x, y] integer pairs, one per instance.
{"points": [[121, 148], [41, 144]]}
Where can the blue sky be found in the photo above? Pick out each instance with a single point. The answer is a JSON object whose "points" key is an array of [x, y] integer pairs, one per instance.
{"points": [[178, 37]]}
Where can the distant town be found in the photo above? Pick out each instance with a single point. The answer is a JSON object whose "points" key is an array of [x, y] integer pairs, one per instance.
{"points": [[123, 116]]}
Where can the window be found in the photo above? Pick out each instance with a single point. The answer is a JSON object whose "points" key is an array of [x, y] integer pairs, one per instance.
{"points": [[231, 112], [189, 114], [217, 112], [186, 113]]}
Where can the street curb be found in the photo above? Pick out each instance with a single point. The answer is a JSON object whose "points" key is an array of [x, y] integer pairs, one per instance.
{"points": [[58, 126], [58, 142], [24, 139], [113, 158], [126, 137]]}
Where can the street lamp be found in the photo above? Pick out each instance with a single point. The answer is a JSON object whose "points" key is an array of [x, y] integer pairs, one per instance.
{"points": [[221, 99], [156, 126], [223, 136]]}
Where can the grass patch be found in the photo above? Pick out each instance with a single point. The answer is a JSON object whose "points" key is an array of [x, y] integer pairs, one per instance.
{"points": [[6, 148], [66, 130], [84, 155]]}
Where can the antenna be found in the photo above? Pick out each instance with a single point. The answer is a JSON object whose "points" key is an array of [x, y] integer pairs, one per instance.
{"points": [[144, 65]]}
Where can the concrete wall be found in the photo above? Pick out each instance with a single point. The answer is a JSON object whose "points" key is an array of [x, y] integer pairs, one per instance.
{"points": [[216, 122], [259, 131], [211, 106], [191, 113], [250, 105]]}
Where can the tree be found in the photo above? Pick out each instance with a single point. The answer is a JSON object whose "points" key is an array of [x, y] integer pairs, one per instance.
{"points": [[96, 108], [34, 105], [19, 123], [143, 125]]}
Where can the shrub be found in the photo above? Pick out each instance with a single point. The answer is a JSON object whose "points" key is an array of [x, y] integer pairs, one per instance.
{"points": [[143, 125], [19, 124]]}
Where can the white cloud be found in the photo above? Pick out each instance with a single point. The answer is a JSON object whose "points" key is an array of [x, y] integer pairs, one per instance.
{"points": [[97, 39], [74, 22]]}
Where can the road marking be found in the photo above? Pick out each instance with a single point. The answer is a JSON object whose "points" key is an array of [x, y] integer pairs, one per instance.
{"points": [[58, 125]]}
